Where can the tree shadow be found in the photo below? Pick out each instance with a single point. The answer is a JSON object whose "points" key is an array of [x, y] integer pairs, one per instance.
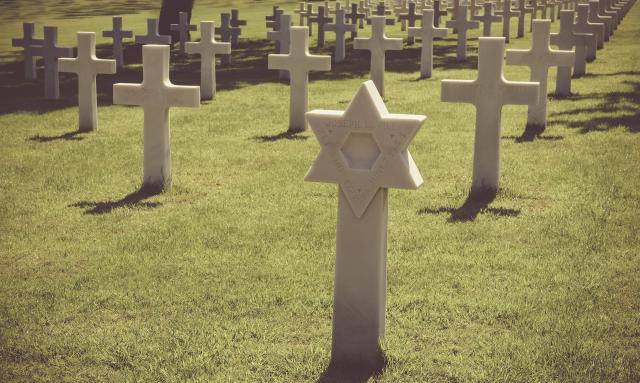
{"points": [[71, 136], [293, 136], [354, 372], [527, 137], [133, 200], [477, 202]]}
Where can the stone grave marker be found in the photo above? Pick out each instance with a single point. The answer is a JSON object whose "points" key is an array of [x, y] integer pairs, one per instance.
{"points": [[50, 51], [411, 16], [152, 36], [602, 10], [355, 17], [282, 39], [236, 22], [537, 6], [183, 28], [507, 13], [583, 25], [462, 25], [566, 39], [523, 8], [310, 14], [381, 10], [427, 33], [487, 19], [226, 33], [271, 21], [302, 13], [27, 42], [117, 35], [321, 20], [340, 28], [438, 12], [400, 9], [208, 48], [595, 17]]}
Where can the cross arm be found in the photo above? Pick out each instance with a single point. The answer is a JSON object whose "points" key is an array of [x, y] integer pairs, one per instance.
{"points": [[518, 56], [185, 96], [105, 66], [279, 61], [128, 94], [459, 91], [520, 93], [318, 62], [68, 65]]}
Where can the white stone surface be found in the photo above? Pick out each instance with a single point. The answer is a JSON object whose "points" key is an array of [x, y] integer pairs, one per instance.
{"points": [[282, 38], [298, 62], [427, 33], [461, 25], [487, 19], [595, 17], [183, 28], [604, 11], [340, 28], [539, 58], [523, 8], [567, 39], [156, 94], [582, 25], [51, 52], [117, 35], [208, 48], [302, 13], [87, 66], [27, 42], [365, 151], [489, 93], [377, 45]]}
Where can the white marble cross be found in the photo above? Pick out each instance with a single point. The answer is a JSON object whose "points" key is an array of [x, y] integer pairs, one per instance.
{"points": [[227, 34], [117, 34], [27, 42], [156, 95], [487, 19], [462, 25], [523, 8], [595, 17], [87, 66], [282, 38], [411, 16], [566, 39], [537, 6], [427, 33], [183, 28], [51, 52], [236, 22], [539, 58], [299, 62], [377, 45], [507, 13], [340, 29], [583, 25], [208, 48], [365, 151], [152, 36], [489, 93]]}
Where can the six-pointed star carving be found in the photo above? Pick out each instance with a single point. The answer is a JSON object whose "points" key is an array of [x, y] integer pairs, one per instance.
{"points": [[393, 167]]}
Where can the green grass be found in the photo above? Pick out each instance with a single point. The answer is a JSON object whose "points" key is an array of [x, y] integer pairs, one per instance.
{"points": [[228, 277]]}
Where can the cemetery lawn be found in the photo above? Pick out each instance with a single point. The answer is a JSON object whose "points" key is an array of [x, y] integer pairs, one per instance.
{"points": [[228, 276]]}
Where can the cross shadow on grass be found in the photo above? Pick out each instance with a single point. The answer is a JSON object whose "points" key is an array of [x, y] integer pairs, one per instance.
{"points": [[354, 373], [292, 136], [133, 200], [477, 202], [71, 136]]}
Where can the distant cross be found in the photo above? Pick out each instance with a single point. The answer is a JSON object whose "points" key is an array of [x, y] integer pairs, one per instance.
{"points": [[87, 66], [272, 21], [302, 11], [523, 8], [539, 58], [321, 19], [410, 17], [487, 19], [537, 6], [327, 9], [340, 29], [310, 14], [566, 39], [462, 25], [27, 42], [489, 93], [208, 48], [595, 17], [117, 34], [236, 21], [473, 8], [51, 52], [453, 9], [227, 33], [604, 11], [299, 62], [377, 45], [183, 28], [381, 10], [583, 25], [438, 12], [152, 36], [366, 9], [156, 94], [400, 9], [282, 38], [354, 17], [507, 13], [427, 33]]}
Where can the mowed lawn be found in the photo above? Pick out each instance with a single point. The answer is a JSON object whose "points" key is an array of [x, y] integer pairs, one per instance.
{"points": [[228, 277]]}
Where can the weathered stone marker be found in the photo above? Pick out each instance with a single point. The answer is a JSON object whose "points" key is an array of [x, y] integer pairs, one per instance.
{"points": [[427, 33], [299, 62], [87, 66], [282, 38], [340, 29], [539, 58], [302, 12], [411, 16], [365, 151], [156, 95], [507, 13], [377, 45], [321, 19], [183, 28], [566, 39], [487, 19], [604, 11], [462, 25], [489, 93], [595, 17], [152, 36], [523, 8], [117, 34], [51, 52], [236, 22], [273, 19], [355, 17], [583, 25], [227, 34], [27, 42], [208, 48]]}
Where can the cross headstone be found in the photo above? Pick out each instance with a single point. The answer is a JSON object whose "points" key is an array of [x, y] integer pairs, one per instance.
{"points": [[236, 22], [340, 29], [327, 9], [604, 11], [566, 39], [487, 19], [310, 14], [156, 94], [400, 9], [438, 12], [299, 62], [462, 25], [507, 13], [523, 8], [27, 42], [227, 33], [365, 10], [489, 93], [302, 12], [582, 25], [410, 17], [377, 45], [354, 17], [365, 151], [381, 10], [208, 48], [321, 20], [117, 34], [453, 9], [427, 33], [51, 52], [272, 20], [539, 58], [87, 66], [152, 36], [282, 38], [537, 6], [595, 17], [183, 28]]}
